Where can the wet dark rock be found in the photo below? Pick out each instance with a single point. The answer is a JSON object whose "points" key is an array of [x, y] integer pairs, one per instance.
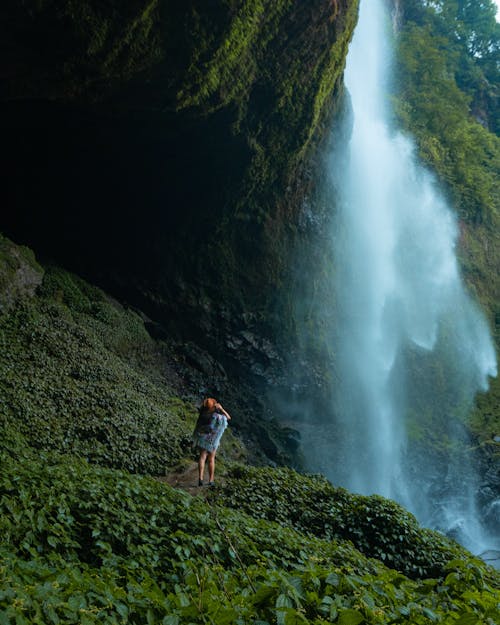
{"points": [[488, 469], [156, 330], [492, 478], [203, 361], [112, 167]]}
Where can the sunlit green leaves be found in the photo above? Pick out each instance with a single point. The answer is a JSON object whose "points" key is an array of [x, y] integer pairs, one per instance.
{"points": [[447, 96]]}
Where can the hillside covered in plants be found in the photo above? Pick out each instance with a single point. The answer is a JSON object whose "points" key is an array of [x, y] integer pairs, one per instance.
{"points": [[91, 532], [90, 545], [165, 236]]}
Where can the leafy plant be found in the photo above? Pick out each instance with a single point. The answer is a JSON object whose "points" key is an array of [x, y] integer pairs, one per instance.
{"points": [[79, 373], [378, 527], [83, 544]]}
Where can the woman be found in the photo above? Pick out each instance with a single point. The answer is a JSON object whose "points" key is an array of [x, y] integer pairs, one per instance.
{"points": [[212, 421]]}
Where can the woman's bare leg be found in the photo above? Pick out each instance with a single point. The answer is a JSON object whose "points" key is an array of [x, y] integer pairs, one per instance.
{"points": [[211, 466], [201, 463]]}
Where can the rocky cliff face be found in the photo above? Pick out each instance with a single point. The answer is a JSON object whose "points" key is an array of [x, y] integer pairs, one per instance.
{"points": [[164, 151], [164, 148]]}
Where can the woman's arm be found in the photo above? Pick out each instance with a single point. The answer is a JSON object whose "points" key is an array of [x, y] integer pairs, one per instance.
{"points": [[219, 408]]}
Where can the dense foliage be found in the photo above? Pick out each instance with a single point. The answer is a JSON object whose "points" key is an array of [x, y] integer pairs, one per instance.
{"points": [[88, 544], [83, 544], [79, 373], [448, 85], [378, 527]]}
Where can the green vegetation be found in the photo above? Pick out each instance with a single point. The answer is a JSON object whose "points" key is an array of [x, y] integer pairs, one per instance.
{"points": [[20, 274], [257, 79], [447, 96], [464, 154], [79, 373], [229, 69], [378, 527], [112, 42], [440, 83], [81, 543], [84, 544], [84, 402]]}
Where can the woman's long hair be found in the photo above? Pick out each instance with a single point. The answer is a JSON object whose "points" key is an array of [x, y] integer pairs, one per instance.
{"points": [[205, 411], [208, 405]]}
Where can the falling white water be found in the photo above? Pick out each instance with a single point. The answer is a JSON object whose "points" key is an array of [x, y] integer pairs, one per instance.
{"points": [[410, 342]]}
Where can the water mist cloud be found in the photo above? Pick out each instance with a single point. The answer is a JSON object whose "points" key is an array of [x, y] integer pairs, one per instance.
{"points": [[411, 344]]}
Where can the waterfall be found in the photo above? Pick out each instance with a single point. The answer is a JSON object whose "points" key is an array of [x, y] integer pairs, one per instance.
{"points": [[412, 348]]}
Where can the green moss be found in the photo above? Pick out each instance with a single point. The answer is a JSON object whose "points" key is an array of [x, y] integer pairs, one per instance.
{"points": [[139, 43], [25, 253], [258, 77], [93, 45], [8, 264], [231, 68], [9, 252], [19, 273], [281, 86], [330, 74], [485, 420]]}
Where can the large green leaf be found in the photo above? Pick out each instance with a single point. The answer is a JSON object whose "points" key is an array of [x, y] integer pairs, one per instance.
{"points": [[350, 617]]}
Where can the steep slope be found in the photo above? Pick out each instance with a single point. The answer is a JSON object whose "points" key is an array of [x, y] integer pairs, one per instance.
{"points": [[90, 544], [81, 373]]}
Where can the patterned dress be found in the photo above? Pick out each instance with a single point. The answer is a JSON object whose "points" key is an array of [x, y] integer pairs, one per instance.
{"points": [[207, 435]]}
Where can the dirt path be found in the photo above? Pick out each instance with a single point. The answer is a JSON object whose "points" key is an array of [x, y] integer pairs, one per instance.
{"points": [[186, 479]]}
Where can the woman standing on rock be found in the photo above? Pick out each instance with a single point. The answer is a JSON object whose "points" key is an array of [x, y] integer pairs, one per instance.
{"points": [[212, 421]]}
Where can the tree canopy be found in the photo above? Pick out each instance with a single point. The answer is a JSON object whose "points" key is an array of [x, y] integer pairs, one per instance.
{"points": [[447, 94]]}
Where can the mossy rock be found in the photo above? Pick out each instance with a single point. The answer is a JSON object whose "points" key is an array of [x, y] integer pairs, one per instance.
{"points": [[20, 274]]}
